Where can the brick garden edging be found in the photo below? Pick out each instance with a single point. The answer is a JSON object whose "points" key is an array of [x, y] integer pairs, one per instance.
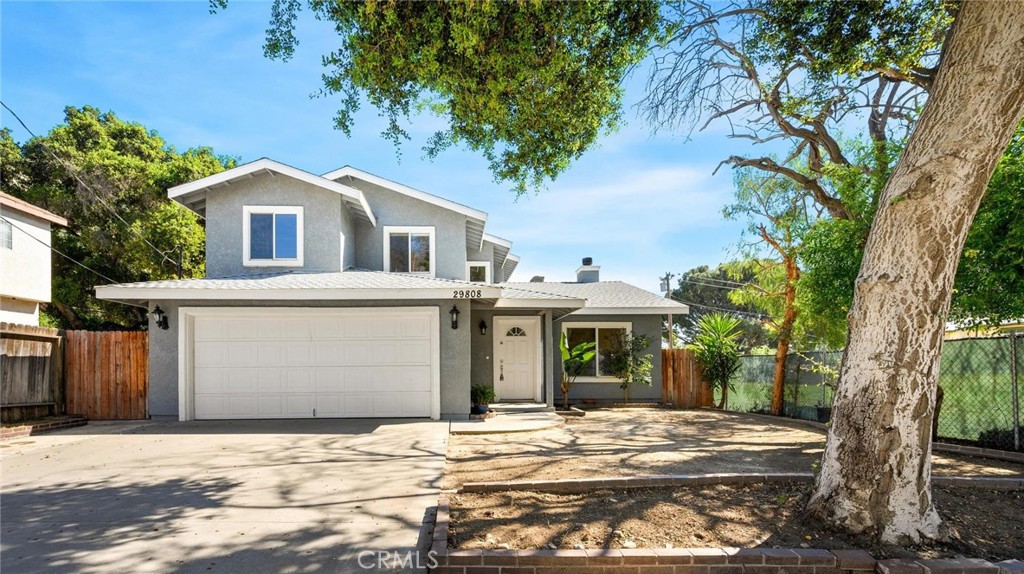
{"points": [[577, 485], [688, 560], [29, 429]]}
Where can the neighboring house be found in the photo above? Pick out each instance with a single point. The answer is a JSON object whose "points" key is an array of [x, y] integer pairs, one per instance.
{"points": [[349, 295], [25, 261]]}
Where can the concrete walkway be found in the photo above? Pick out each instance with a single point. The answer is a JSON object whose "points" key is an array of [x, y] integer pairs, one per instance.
{"points": [[241, 496], [508, 423]]}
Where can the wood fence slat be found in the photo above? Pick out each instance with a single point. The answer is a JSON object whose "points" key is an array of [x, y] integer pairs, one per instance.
{"points": [[106, 374]]}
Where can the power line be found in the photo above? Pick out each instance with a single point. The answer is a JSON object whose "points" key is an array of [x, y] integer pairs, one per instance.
{"points": [[58, 251], [74, 173], [757, 315], [713, 280]]}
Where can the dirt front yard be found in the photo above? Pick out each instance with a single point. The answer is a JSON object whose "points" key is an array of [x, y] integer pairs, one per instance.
{"points": [[983, 523], [643, 442]]}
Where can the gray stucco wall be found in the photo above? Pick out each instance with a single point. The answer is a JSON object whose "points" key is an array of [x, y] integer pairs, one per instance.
{"points": [[455, 351], [323, 222], [649, 325], [393, 208], [484, 254]]}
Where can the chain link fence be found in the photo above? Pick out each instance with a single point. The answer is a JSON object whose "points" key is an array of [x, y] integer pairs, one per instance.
{"points": [[981, 379]]}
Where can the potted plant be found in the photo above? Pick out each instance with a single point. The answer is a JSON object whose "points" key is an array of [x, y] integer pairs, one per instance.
{"points": [[481, 396], [573, 362]]}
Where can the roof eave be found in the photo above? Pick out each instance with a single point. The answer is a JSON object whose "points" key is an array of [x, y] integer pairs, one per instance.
{"points": [[193, 193], [124, 294], [684, 310]]}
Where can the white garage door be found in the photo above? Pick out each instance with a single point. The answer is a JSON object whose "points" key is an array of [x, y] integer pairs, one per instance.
{"points": [[323, 363]]}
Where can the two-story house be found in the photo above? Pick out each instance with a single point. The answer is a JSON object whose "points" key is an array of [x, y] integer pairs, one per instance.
{"points": [[349, 295], [25, 259]]}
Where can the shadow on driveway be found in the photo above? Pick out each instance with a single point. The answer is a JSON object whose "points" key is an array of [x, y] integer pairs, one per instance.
{"points": [[221, 497]]}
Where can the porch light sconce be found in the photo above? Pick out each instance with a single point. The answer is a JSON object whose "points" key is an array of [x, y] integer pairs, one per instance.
{"points": [[160, 317], [455, 317], [483, 327]]}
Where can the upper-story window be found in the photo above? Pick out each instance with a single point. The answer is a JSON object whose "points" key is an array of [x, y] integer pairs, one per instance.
{"points": [[478, 271], [409, 250], [272, 236], [6, 234]]}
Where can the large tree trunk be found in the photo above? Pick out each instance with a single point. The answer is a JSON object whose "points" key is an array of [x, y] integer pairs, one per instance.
{"points": [[876, 470]]}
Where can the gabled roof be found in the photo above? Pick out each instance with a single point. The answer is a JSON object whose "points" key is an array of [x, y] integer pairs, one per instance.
{"points": [[193, 193], [22, 206], [501, 252], [510, 264], [475, 219], [607, 298]]}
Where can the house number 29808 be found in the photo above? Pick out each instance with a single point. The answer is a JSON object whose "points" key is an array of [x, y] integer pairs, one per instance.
{"points": [[466, 294]]}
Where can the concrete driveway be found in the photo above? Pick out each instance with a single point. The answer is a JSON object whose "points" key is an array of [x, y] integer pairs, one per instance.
{"points": [[241, 496]]}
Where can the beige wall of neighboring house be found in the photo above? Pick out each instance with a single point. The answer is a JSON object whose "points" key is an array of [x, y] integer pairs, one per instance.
{"points": [[25, 259]]}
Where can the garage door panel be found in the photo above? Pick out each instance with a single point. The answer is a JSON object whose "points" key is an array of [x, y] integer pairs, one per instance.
{"points": [[209, 380], [243, 329], [299, 379], [240, 381], [338, 363], [271, 406], [211, 407], [270, 354], [241, 406], [298, 353], [330, 405], [299, 406]]}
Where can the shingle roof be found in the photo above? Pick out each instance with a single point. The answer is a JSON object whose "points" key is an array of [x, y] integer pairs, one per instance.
{"points": [[604, 295]]}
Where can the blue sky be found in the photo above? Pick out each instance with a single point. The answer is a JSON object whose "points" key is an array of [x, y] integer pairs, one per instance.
{"points": [[639, 205]]}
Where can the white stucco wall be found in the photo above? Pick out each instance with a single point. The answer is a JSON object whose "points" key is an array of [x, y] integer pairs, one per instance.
{"points": [[25, 268], [19, 311]]}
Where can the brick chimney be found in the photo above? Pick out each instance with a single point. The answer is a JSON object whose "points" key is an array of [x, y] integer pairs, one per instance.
{"points": [[588, 272]]}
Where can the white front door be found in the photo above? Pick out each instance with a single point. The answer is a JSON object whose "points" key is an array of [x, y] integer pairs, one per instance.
{"points": [[516, 358]]}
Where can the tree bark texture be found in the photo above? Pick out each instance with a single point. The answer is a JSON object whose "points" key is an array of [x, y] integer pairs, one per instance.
{"points": [[785, 334], [876, 470]]}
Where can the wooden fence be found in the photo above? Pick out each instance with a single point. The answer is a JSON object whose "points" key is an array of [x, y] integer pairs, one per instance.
{"points": [[107, 374], [681, 385], [31, 372]]}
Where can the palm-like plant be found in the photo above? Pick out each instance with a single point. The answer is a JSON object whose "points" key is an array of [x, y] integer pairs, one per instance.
{"points": [[716, 347], [573, 362]]}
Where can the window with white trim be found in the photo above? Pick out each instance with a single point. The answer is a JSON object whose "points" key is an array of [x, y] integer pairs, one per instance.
{"points": [[608, 337], [272, 236], [478, 271], [409, 250], [6, 234]]}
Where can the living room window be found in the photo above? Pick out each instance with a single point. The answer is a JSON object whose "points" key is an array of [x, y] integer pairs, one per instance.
{"points": [[409, 250], [608, 337], [272, 235], [478, 271]]}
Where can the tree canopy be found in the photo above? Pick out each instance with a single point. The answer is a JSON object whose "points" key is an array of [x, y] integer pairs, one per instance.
{"points": [[109, 178], [530, 85]]}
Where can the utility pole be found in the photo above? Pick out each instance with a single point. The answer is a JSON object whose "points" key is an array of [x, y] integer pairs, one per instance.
{"points": [[666, 286]]}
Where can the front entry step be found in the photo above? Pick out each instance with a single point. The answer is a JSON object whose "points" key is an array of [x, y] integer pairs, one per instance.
{"points": [[524, 407]]}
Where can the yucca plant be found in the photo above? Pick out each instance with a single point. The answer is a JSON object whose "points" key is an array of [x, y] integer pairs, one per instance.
{"points": [[717, 350]]}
